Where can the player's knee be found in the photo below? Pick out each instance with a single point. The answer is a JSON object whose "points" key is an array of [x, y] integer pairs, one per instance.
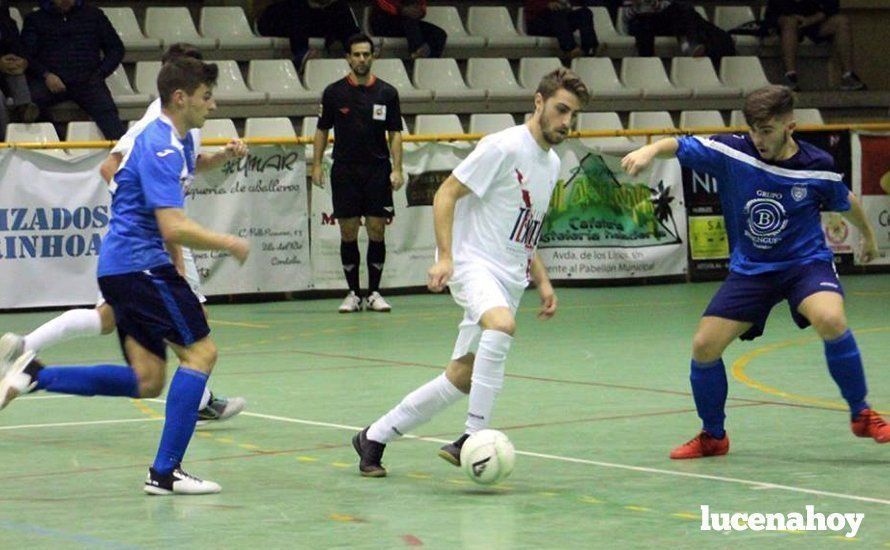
{"points": [[830, 325], [705, 348], [106, 318], [151, 383], [507, 325]]}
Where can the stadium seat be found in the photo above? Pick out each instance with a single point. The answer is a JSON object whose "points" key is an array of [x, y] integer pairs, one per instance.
{"points": [[146, 78], [448, 18], [124, 22], [174, 25], [217, 128], [83, 131], [532, 69], [661, 42], [701, 119], [230, 87], [321, 72], [730, 17], [658, 120], [494, 24], [443, 77], [393, 72], [647, 73], [601, 79], [438, 124], [489, 123], [395, 46], [494, 75], [543, 41], [743, 72], [122, 92], [41, 132], [698, 73], [808, 116], [278, 79], [606, 32], [273, 127], [604, 121], [229, 25]]}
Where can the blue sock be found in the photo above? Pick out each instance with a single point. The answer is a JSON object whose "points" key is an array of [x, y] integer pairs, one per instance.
{"points": [[709, 389], [96, 380], [845, 366], [183, 399]]}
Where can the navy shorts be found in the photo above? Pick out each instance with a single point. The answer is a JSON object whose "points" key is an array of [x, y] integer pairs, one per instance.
{"points": [[749, 298], [154, 306], [360, 189]]}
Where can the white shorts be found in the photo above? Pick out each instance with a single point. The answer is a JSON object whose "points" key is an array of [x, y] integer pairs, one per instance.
{"points": [[191, 277], [477, 290]]}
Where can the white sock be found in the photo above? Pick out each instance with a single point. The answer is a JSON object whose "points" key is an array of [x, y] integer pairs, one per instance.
{"points": [[205, 399], [415, 409], [488, 378], [75, 323]]}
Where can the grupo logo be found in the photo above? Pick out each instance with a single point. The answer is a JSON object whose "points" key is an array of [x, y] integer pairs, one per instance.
{"points": [[766, 219], [51, 232]]}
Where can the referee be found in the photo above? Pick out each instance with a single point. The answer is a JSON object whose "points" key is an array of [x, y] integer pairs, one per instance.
{"points": [[362, 109]]}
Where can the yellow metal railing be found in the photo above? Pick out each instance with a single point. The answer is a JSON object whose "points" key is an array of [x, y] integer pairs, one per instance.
{"points": [[649, 132]]}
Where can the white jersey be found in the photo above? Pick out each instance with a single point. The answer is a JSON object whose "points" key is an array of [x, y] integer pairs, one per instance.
{"points": [[498, 226]]}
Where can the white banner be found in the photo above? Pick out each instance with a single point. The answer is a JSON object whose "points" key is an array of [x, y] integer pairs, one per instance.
{"points": [[871, 183], [262, 198], [53, 212]]}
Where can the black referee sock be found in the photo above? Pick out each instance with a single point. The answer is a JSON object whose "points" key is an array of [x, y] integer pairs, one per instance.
{"points": [[376, 257], [351, 258]]}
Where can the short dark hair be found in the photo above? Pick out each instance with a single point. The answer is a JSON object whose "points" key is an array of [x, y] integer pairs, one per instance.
{"points": [[186, 74], [181, 49], [564, 79], [763, 104], [358, 38]]}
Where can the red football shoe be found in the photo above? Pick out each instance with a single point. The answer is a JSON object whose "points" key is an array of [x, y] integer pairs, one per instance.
{"points": [[870, 424], [701, 446]]}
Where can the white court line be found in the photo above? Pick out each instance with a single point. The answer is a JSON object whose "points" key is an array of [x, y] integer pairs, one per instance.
{"points": [[34, 397], [84, 423]]}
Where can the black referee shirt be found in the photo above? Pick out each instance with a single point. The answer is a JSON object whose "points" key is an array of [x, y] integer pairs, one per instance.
{"points": [[360, 116]]}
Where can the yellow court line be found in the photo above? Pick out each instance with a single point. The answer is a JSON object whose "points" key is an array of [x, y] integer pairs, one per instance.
{"points": [[237, 324], [738, 371]]}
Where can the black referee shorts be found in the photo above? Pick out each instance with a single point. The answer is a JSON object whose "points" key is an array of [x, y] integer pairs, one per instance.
{"points": [[362, 189]]}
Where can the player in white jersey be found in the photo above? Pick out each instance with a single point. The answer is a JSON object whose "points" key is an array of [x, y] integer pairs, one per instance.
{"points": [[78, 323], [488, 216]]}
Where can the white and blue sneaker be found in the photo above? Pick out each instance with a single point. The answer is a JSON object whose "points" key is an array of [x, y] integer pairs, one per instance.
{"points": [[14, 381], [178, 482], [219, 409]]}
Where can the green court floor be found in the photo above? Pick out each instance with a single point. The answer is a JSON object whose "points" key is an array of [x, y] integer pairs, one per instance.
{"points": [[594, 401]]}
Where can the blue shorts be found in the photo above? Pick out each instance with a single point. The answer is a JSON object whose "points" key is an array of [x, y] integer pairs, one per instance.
{"points": [[749, 298], [154, 306]]}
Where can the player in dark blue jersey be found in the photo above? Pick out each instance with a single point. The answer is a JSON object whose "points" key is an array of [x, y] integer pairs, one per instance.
{"points": [[153, 305], [772, 190]]}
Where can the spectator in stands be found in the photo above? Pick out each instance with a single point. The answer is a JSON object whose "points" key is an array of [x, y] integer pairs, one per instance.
{"points": [[646, 19], [820, 21], [405, 18], [560, 19], [297, 20], [12, 73], [71, 49]]}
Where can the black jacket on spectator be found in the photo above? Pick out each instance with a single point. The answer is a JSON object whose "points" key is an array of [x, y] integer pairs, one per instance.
{"points": [[76, 46], [9, 32], [778, 8]]}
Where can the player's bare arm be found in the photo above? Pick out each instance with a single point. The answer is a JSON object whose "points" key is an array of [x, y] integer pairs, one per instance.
{"points": [[235, 148], [109, 166], [396, 177], [545, 288], [178, 229], [318, 147], [635, 162], [446, 197], [857, 217]]}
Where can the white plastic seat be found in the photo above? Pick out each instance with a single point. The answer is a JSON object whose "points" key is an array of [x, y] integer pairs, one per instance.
{"points": [[489, 123], [321, 72], [657, 120], [217, 128], [273, 127], [393, 72], [83, 131], [730, 17], [448, 19], [604, 121], [698, 73], [606, 32], [744, 72], [647, 73], [543, 41], [124, 22], [230, 27], [146, 77], [41, 132], [278, 79], [443, 77], [533, 69], [174, 25], [701, 119], [494, 75], [601, 79], [122, 92], [494, 24], [396, 46], [438, 124], [230, 86]]}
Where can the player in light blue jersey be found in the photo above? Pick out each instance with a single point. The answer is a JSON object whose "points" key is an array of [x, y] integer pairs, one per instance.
{"points": [[772, 189], [153, 305]]}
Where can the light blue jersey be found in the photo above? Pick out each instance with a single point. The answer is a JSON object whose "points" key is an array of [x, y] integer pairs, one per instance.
{"points": [[771, 208], [159, 166]]}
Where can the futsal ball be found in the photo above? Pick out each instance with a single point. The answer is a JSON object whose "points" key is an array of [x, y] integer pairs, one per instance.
{"points": [[488, 457]]}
